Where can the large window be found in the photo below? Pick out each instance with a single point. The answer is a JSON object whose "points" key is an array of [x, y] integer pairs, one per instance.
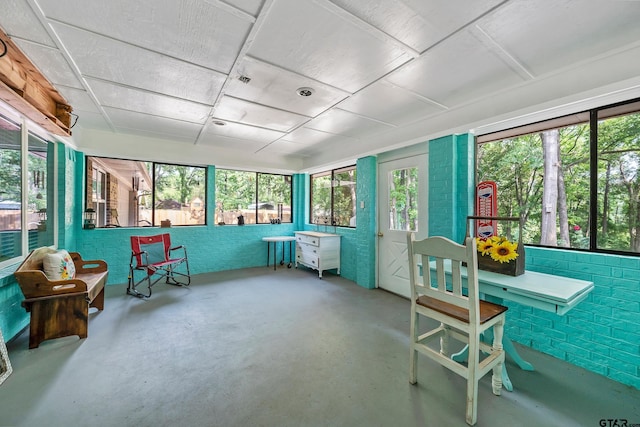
{"points": [[252, 197], [26, 217], [130, 193], [333, 197], [573, 180]]}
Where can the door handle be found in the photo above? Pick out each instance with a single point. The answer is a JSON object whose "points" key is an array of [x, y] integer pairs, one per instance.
{"points": [[380, 234]]}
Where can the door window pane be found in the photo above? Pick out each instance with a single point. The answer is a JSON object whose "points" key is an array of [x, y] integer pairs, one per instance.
{"points": [[403, 199], [235, 196]]}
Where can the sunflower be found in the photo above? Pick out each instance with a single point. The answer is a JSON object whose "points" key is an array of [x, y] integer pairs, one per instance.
{"points": [[485, 246], [504, 251]]}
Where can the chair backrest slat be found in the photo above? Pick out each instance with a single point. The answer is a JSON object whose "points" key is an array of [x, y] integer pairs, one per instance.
{"points": [[447, 283]]}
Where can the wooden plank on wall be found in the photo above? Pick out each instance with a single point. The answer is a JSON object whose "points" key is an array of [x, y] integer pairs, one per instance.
{"points": [[24, 88]]}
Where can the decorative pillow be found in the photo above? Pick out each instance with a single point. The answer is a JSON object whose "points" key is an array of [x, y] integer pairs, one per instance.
{"points": [[59, 266]]}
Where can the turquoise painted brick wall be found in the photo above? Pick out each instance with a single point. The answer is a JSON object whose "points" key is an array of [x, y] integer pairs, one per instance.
{"points": [[366, 222], [13, 317], [451, 185], [602, 333]]}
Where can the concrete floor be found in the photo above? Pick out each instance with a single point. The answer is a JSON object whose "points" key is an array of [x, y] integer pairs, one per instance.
{"points": [[256, 347]]}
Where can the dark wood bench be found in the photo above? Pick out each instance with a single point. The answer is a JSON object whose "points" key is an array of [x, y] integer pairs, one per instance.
{"points": [[60, 308]]}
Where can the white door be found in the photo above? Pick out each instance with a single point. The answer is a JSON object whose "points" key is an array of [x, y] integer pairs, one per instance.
{"points": [[402, 207]]}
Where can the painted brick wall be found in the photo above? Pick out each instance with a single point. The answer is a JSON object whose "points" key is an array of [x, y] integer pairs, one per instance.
{"points": [[602, 333], [364, 253]]}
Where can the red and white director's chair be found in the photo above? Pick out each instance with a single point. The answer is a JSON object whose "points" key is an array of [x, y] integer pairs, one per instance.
{"points": [[153, 255]]}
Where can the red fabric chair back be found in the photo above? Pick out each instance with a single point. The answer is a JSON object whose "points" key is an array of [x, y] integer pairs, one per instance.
{"points": [[157, 248]]}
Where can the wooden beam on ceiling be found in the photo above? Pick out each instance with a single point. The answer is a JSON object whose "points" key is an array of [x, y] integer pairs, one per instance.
{"points": [[24, 88]]}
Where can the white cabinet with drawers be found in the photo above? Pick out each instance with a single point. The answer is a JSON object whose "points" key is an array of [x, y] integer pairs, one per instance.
{"points": [[319, 251]]}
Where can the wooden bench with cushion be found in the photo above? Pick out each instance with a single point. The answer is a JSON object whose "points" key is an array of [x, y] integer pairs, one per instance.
{"points": [[59, 287]]}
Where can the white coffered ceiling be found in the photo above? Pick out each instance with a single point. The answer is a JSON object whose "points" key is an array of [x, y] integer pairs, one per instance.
{"points": [[161, 80]]}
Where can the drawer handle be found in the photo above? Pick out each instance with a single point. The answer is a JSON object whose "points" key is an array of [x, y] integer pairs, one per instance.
{"points": [[313, 241]]}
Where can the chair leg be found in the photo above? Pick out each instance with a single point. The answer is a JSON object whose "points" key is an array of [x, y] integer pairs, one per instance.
{"points": [[496, 378], [413, 353], [472, 382], [444, 340]]}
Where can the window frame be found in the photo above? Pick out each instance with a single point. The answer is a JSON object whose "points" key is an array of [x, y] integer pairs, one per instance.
{"points": [[256, 194], [154, 222], [589, 117], [27, 130], [332, 173]]}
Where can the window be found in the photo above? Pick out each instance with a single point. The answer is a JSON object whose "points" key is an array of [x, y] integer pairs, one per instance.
{"points": [[333, 197], [130, 193], [23, 230], [574, 180], [259, 198]]}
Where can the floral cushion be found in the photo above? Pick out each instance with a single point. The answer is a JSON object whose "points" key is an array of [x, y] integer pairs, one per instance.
{"points": [[59, 266]]}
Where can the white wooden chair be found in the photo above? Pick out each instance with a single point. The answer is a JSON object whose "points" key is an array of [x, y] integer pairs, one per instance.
{"points": [[463, 317]]}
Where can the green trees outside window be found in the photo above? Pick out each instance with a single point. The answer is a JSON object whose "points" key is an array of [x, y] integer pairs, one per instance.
{"points": [[575, 186], [333, 197], [133, 193], [259, 198]]}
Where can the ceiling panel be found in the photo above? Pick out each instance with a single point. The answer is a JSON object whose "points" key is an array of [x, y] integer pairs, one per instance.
{"points": [[308, 137], [193, 30], [238, 110], [277, 87], [79, 99], [18, 20], [51, 63], [281, 147], [456, 71], [125, 98], [310, 40], [347, 124], [133, 66], [573, 31], [251, 7], [162, 127], [246, 146], [417, 23], [388, 103], [240, 131]]}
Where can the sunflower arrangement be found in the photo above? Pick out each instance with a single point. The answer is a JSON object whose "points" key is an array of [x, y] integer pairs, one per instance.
{"points": [[498, 248]]}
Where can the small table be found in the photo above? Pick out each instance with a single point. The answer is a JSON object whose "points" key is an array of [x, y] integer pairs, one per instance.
{"points": [[548, 292], [275, 240]]}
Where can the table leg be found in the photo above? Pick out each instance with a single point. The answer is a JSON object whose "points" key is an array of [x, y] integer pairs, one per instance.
{"points": [[290, 254], [282, 261], [268, 247], [275, 249]]}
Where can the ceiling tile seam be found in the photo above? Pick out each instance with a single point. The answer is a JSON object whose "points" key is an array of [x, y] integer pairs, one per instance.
{"points": [[40, 16], [301, 126], [411, 60], [363, 116], [303, 76], [238, 13], [146, 49], [416, 95], [216, 118], [464, 26], [260, 19], [367, 27], [268, 106], [32, 42], [140, 89], [159, 116], [492, 45]]}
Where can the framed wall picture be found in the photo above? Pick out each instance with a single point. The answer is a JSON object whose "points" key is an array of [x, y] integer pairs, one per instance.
{"points": [[5, 364]]}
